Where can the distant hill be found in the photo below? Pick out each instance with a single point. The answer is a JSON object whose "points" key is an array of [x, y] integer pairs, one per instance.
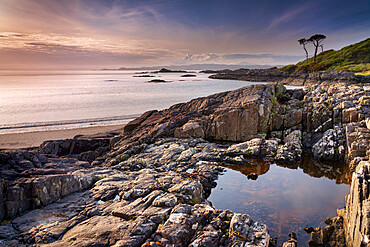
{"points": [[355, 58], [201, 67]]}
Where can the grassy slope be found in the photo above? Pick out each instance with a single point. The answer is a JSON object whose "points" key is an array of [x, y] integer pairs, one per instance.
{"points": [[354, 58]]}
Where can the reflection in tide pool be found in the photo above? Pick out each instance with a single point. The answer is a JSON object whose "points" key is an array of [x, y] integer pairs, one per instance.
{"points": [[285, 198]]}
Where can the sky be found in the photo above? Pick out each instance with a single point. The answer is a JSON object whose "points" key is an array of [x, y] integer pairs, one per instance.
{"points": [[94, 34]]}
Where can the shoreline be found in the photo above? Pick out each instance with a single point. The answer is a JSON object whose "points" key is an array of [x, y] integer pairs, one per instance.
{"points": [[36, 138], [163, 168]]}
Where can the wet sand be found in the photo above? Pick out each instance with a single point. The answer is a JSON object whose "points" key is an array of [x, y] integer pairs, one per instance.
{"points": [[34, 139]]}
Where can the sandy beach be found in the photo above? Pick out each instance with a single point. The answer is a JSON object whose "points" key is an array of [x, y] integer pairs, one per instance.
{"points": [[34, 139]]}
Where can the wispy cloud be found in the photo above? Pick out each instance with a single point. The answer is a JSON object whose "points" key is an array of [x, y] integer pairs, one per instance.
{"points": [[55, 43], [165, 31], [290, 15]]}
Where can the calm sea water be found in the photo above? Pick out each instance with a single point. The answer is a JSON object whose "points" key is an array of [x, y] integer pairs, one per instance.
{"points": [[44, 100], [285, 198]]}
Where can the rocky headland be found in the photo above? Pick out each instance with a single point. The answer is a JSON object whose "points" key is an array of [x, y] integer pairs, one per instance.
{"points": [[148, 186], [293, 79]]}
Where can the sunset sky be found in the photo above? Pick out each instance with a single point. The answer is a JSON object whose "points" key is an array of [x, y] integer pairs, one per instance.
{"points": [[81, 34]]}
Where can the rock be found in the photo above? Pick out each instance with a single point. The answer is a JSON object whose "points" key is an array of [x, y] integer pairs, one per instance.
{"points": [[137, 207], [166, 200], [349, 115], [242, 119], [158, 173], [108, 230], [357, 139], [367, 121], [291, 151], [331, 235], [331, 146], [308, 229], [180, 226], [130, 126], [294, 79], [293, 118], [73, 146], [252, 176], [356, 220], [164, 70], [157, 80], [292, 242], [206, 238], [192, 188], [17, 198], [256, 147], [190, 129], [7, 232], [364, 100], [244, 231]]}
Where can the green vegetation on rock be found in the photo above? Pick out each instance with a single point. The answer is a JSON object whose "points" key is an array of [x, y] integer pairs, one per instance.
{"points": [[355, 58]]}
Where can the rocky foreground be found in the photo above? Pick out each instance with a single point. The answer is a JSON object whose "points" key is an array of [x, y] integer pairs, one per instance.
{"points": [[149, 185]]}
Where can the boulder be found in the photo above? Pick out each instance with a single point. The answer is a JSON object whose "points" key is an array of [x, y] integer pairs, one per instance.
{"points": [[234, 124]]}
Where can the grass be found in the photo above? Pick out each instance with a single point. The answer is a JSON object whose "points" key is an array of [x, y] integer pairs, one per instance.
{"points": [[194, 201], [355, 58], [363, 73]]}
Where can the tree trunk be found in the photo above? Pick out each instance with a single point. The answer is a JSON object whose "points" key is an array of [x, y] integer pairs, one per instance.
{"points": [[316, 47], [304, 47]]}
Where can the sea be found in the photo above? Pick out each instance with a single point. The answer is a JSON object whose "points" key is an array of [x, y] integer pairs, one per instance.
{"points": [[40, 100]]}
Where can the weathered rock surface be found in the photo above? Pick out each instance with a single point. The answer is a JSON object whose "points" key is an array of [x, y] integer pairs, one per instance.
{"points": [[330, 235], [291, 151], [149, 199], [292, 242], [341, 109], [358, 140], [331, 146], [240, 115], [357, 214]]}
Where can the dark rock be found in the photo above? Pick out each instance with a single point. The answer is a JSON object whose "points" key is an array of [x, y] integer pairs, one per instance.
{"points": [[164, 70], [331, 235], [308, 229], [252, 176], [157, 80], [137, 121], [292, 242], [143, 76]]}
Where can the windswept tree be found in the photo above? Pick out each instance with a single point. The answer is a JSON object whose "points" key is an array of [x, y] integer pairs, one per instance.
{"points": [[303, 42], [317, 41], [322, 47]]}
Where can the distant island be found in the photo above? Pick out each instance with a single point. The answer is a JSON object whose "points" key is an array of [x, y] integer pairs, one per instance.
{"points": [[200, 67], [164, 70]]}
